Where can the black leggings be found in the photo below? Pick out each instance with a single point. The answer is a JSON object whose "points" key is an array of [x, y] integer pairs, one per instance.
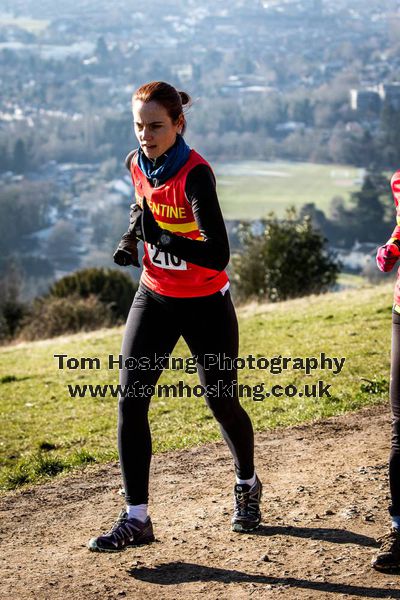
{"points": [[155, 323], [394, 462]]}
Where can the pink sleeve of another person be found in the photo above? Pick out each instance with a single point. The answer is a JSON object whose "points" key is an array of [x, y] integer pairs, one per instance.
{"points": [[389, 253]]}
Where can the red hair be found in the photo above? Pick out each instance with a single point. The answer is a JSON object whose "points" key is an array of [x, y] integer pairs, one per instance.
{"points": [[165, 94]]}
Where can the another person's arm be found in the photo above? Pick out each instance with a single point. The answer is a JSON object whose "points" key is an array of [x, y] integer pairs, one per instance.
{"points": [[389, 253]]}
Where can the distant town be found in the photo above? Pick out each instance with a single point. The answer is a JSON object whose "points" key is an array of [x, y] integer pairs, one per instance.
{"points": [[309, 80]]}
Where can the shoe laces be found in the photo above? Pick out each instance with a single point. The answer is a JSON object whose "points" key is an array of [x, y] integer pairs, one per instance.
{"points": [[242, 500], [121, 518], [390, 541], [123, 527], [247, 501]]}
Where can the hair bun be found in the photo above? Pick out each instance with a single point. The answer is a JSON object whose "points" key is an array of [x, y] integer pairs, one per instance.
{"points": [[185, 98]]}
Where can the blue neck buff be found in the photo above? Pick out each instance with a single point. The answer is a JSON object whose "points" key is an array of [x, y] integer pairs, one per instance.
{"points": [[165, 166]]}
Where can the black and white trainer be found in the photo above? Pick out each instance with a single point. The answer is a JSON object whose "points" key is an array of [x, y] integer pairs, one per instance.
{"points": [[247, 514], [388, 556], [124, 533]]}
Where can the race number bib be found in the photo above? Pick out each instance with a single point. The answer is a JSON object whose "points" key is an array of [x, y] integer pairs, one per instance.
{"points": [[165, 260]]}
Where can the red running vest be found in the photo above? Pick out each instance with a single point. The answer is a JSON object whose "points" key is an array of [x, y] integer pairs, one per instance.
{"points": [[163, 272]]}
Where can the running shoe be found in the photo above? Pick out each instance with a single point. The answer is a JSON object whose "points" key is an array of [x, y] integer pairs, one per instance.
{"points": [[388, 557], [124, 533], [247, 515]]}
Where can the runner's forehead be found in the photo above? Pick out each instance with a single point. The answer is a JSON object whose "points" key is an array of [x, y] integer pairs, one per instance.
{"points": [[138, 121], [148, 113]]}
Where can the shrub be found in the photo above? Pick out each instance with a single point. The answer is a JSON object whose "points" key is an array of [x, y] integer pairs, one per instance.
{"points": [[12, 310], [286, 259], [111, 287], [52, 316]]}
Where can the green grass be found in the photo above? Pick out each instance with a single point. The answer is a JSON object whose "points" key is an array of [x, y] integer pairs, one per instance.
{"points": [[350, 280], [46, 432], [277, 185]]}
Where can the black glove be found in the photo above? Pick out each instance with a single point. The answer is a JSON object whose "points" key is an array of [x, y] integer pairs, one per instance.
{"points": [[127, 253], [150, 231], [135, 220]]}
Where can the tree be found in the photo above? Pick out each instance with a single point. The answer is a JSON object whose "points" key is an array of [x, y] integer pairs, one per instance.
{"points": [[288, 259], [20, 157], [317, 216], [5, 162], [24, 209], [60, 240], [369, 212], [102, 49], [390, 139], [12, 310], [302, 110], [341, 221]]}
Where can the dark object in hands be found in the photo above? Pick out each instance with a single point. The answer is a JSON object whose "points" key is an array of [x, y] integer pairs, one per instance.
{"points": [[135, 221], [146, 228], [150, 230], [127, 253]]}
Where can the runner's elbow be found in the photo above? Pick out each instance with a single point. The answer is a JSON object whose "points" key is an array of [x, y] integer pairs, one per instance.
{"points": [[223, 256]]}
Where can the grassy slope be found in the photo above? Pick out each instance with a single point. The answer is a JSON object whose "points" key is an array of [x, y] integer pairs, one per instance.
{"points": [[36, 408], [277, 185]]}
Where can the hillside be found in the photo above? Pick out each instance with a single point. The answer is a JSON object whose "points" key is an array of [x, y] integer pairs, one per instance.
{"points": [[46, 431]]}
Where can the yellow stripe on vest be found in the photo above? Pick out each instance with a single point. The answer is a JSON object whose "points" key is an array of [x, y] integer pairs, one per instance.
{"points": [[181, 227]]}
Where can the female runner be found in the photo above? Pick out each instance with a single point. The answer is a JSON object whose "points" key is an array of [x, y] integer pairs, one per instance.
{"points": [[183, 291], [388, 556]]}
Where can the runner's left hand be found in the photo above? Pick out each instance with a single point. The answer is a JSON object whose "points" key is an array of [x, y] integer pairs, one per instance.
{"points": [[127, 253]]}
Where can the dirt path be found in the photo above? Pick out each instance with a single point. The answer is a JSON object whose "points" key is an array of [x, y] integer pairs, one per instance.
{"points": [[324, 504]]}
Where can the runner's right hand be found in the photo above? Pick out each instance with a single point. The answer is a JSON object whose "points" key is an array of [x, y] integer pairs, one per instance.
{"points": [[127, 253], [387, 256]]}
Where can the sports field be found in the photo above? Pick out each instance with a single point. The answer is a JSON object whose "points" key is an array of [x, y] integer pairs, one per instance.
{"points": [[251, 189]]}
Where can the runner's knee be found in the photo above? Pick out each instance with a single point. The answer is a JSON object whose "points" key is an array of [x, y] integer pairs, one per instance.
{"points": [[225, 410]]}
